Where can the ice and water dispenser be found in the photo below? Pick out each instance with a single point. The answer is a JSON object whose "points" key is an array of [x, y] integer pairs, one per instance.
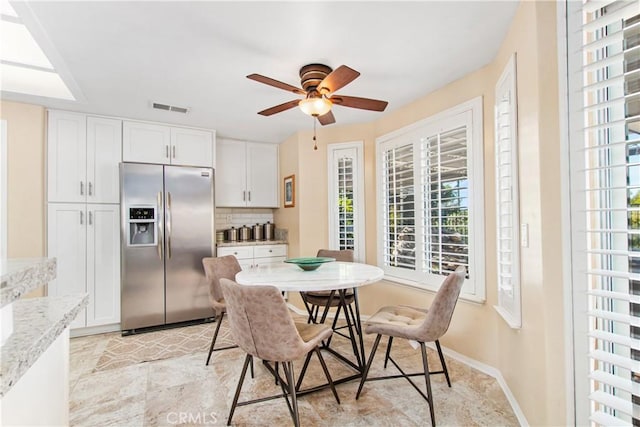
{"points": [[142, 226]]}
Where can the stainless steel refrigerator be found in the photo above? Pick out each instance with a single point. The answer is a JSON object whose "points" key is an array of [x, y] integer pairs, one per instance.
{"points": [[167, 228]]}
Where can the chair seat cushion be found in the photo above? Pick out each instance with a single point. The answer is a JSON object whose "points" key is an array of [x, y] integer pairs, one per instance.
{"points": [[396, 321], [312, 332], [322, 300]]}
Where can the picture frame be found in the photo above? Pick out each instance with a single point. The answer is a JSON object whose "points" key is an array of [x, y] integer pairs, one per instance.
{"points": [[290, 191]]}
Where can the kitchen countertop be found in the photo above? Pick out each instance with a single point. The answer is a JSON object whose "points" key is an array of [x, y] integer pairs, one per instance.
{"points": [[37, 324], [19, 276], [251, 243]]}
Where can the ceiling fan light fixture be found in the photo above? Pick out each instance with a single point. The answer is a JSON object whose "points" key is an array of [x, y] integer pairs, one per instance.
{"points": [[315, 106]]}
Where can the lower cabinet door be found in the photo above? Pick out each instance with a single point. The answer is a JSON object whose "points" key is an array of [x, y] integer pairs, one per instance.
{"points": [[67, 242], [103, 264]]}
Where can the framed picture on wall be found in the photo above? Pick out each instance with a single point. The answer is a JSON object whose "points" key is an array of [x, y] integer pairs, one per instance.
{"points": [[290, 191]]}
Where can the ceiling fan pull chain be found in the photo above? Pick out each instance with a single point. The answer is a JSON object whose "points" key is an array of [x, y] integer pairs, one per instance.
{"points": [[315, 144]]}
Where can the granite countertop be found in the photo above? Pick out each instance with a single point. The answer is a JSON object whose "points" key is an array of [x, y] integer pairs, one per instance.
{"points": [[19, 276], [37, 323], [252, 243]]}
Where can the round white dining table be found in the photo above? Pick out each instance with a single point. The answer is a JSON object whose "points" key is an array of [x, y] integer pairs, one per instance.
{"points": [[329, 276]]}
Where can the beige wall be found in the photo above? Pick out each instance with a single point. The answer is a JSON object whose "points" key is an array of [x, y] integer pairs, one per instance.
{"points": [[25, 179], [530, 359]]}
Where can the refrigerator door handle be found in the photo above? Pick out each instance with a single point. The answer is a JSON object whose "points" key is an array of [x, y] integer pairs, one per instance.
{"points": [[159, 223], [168, 225]]}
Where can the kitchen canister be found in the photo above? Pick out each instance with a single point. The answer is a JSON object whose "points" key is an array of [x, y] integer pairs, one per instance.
{"points": [[258, 232], [232, 234], [220, 236], [244, 233], [269, 231]]}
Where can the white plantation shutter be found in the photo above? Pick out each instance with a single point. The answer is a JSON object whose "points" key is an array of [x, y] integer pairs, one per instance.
{"points": [[430, 195], [399, 210], [446, 195], [604, 101], [507, 197], [346, 198]]}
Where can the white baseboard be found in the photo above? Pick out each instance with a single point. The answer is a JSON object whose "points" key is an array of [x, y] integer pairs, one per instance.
{"points": [[492, 372], [484, 368], [93, 330]]}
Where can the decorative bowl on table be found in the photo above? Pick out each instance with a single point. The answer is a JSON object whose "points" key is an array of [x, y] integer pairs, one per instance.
{"points": [[309, 263]]}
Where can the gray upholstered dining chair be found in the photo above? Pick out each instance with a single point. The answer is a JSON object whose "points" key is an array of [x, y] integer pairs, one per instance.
{"points": [[215, 269], [263, 327], [418, 325], [314, 300]]}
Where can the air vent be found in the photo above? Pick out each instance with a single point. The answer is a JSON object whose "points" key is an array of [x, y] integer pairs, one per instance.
{"points": [[173, 108]]}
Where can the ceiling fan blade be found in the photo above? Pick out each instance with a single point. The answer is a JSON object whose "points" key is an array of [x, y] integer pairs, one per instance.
{"points": [[362, 103], [275, 83], [279, 108], [337, 79], [327, 119]]}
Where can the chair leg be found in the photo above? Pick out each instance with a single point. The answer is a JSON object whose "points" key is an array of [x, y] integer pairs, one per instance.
{"points": [[247, 359], [427, 378], [326, 374], [303, 371], [443, 363], [288, 370], [215, 337], [366, 369], [386, 357], [252, 368]]}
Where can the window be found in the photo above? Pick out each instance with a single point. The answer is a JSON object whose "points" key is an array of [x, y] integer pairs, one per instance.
{"points": [[346, 198], [604, 103], [507, 197], [430, 197]]}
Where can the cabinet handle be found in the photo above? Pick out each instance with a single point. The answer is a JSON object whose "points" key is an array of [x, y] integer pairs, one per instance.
{"points": [[81, 188], [81, 217], [249, 195], [166, 150], [244, 196], [174, 151], [90, 218], [270, 250], [90, 188]]}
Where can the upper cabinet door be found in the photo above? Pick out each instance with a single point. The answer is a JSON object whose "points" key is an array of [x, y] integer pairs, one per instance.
{"points": [[66, 154], [231, 173], [145, 143], [104, 153], [262, 175], [191, 147]]}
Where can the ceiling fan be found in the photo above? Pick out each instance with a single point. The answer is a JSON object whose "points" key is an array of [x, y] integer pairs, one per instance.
{"points": [[319, 84]]}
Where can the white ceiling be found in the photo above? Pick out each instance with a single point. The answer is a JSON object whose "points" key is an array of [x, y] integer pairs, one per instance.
{"points": [[120, 56]]}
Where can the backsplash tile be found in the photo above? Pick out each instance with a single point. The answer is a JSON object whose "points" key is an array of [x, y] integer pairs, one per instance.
{"points": [[237, 217]]}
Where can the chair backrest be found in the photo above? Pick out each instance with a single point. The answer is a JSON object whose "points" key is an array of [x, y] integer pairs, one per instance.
{"points": [[441, 310], [261, 323], [215, 269], [345, 255]]}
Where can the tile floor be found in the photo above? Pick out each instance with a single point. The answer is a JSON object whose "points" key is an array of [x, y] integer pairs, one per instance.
{"points": [[181, 390]]}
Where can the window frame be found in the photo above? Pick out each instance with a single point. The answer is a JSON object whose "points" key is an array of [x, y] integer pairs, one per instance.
{"points": [[359, 251], [470, 114]]}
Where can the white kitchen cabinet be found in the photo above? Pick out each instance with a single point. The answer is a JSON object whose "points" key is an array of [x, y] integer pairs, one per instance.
{"points": [[145, 143], [246, 174], [153, 143], [83, 154], [85, 239], [67, 237], [252, 256]]}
